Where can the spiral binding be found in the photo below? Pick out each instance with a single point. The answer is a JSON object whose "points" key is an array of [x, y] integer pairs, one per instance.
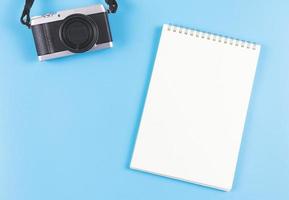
{"points": [[212, 37]]}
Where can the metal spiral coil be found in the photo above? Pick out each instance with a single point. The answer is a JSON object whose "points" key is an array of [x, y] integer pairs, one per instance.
{"points": [[212, 37]]}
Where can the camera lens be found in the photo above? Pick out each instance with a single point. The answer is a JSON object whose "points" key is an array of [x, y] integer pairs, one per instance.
{"points": [[78, 33]]}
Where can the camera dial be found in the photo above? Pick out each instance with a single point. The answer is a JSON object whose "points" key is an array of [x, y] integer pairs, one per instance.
{"points": [[78, 33]]}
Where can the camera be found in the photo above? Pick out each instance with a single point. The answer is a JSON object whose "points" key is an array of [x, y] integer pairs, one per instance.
{"points": [[71, 31]]}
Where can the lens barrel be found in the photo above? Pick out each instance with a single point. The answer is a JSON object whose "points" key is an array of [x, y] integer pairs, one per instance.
{"points": [[78, 33]]}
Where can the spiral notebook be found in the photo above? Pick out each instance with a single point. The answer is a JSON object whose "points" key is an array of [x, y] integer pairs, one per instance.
{"points": [[196, 106]]}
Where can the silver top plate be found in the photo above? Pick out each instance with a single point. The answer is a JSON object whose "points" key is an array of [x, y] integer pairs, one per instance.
{"points": [[60, 15]]}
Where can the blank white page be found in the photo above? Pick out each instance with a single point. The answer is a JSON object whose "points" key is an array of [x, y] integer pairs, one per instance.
{"points": [[196, 107]]}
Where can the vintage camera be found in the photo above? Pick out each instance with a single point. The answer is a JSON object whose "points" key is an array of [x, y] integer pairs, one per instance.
{"points": [[70, 31]]}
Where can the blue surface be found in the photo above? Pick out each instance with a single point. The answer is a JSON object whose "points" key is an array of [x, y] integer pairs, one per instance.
{"points": [[68, 126]]}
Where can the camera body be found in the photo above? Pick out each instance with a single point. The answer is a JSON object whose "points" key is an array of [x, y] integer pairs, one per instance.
{"points": [[71, 31]]}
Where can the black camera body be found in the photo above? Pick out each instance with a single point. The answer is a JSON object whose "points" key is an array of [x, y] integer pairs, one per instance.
{"points": [[71, 31]]}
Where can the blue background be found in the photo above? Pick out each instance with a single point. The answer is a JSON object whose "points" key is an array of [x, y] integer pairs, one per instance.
{"points": [[68, 126]]}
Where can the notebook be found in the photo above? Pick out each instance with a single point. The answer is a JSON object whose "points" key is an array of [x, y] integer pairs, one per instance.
{"points": [[196, 106]]}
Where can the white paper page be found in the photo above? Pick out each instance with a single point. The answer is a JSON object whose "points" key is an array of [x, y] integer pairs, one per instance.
{"points": [[196, 107]]}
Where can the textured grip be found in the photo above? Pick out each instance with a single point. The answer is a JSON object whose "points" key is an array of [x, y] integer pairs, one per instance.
{"points": [[40, 39]]}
